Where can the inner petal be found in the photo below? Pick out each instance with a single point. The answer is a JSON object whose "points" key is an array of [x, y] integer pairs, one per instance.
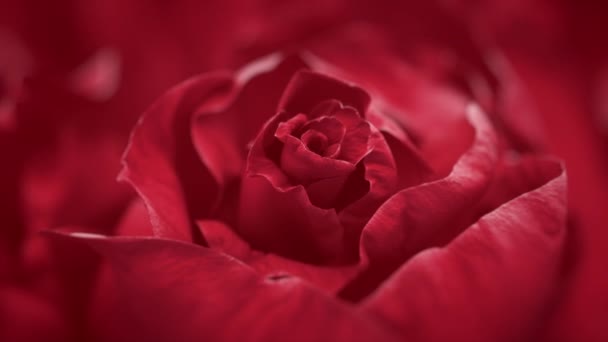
{"points": [[326, 131], [315, 141]]}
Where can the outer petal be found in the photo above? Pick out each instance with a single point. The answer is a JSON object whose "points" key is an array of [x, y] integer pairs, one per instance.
{"points": [[174, 291], [219, 236], [430, 214], [415, 218], [161, 163], [493, 283]]}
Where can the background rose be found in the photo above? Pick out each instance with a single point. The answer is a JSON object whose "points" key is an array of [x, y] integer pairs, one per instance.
{"points": [[186, 159]]}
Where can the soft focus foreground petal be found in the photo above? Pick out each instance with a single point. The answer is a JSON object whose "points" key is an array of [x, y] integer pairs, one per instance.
{"points": [[160, 161], [171, 291], [221, 237], [24, 317], [494, 282], [63, 273]]}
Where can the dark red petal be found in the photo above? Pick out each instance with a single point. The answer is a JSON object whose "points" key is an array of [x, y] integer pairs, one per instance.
{"points": [[221, 237], [325, 193], [172, 291], [307, 89], [304, 166], [380, 174], [221, 136], [492, 283], [356, 142], [160, 161], [275, 215], [289, 127], [284, 221]]}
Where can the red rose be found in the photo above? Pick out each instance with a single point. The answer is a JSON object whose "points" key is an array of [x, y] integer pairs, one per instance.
{"points": [[287, 204]]}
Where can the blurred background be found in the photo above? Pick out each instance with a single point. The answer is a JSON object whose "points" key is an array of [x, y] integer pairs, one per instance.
{"points": [[75, 76]]}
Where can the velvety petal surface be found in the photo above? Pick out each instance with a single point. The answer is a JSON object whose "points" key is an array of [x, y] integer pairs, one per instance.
{"points": [[160, 161], [494, 282], [415, 218], [430, 214]]}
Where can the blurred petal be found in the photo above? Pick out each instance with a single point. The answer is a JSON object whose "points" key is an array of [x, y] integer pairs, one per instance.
{"points": [[24, 317], [175, 291]]}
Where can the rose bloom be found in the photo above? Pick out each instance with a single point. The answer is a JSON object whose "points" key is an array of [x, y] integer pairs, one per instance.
{"points": [[343, 194], [295, 199]]}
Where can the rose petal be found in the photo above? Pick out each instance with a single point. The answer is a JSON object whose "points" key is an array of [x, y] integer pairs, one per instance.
{"points": [[428, 215], [304, 166], [307, 89], [220, 237], [160, 162], [135, 221], [492, 283], [175, 291], [222, 137], [285, 222], [380, 174], [417, 102]]}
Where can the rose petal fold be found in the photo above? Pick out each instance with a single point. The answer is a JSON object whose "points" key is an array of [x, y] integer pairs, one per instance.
{"points": [[430, 214], [169, 290], [492, 283], [160, 161], [307, 89], [222, 136], [222, 238]]}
